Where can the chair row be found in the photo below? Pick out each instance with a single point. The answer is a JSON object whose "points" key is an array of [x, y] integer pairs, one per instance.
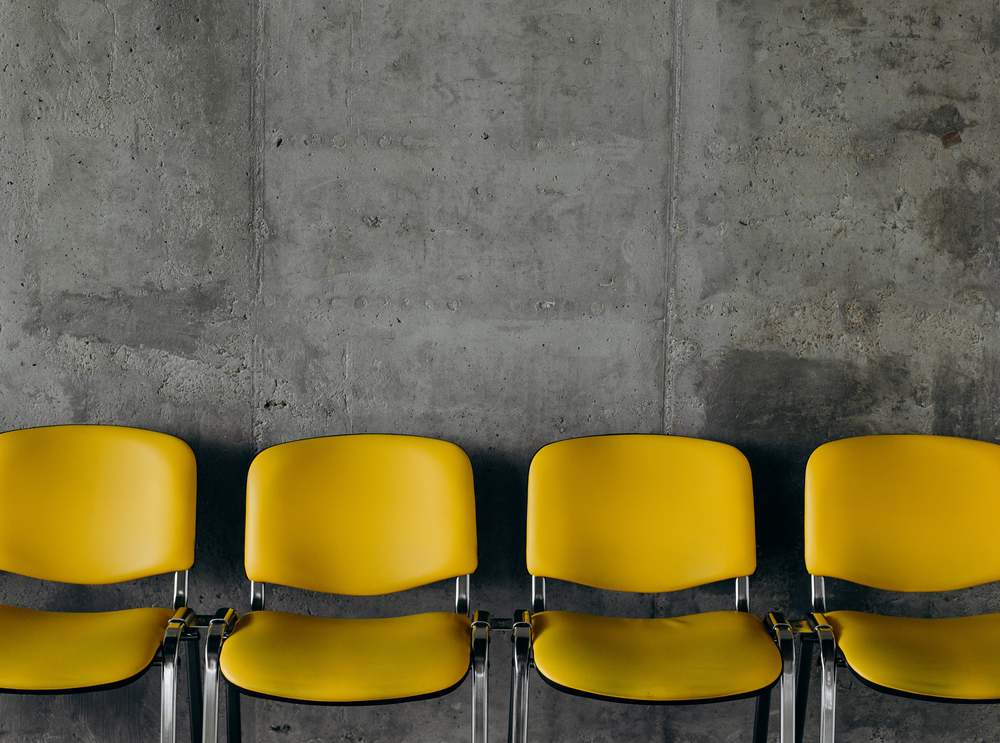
{"points": [[377, 514]]}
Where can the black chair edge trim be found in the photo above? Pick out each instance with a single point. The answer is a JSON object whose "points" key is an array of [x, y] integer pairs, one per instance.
{"points": [[658, 702], [913, 695], [82, 689], [374, 703]]}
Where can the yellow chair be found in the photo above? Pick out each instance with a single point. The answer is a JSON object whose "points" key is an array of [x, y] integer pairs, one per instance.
{"points": [[904, 513], [647, 514], [97, 505], [356, 515]]}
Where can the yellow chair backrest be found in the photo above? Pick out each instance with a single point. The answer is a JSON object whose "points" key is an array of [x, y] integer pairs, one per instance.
{"points": [[360, 514], [640, 513], [904, 513], [95, 504]]}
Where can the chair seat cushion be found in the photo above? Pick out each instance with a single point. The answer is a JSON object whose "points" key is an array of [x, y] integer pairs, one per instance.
{"points": [[318, 659], [58, 651], [700, 657], [949, 658]]}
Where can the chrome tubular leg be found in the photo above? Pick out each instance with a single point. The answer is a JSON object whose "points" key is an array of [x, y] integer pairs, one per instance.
{"points": [[218, 629], [784, 638], [168, 690], [802, 687], [760, 718], [517, 730], [786, 644], [234, 732], [194, 684], [480, 675], [210, 711], [828, 663]]}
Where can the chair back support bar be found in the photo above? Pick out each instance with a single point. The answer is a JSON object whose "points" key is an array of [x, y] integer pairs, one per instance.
{"points": [[640, 513], [463, 585], [181, 583], [927, 523], [743, 594]]}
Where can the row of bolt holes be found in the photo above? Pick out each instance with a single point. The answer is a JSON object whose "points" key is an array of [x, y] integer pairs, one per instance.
{"points": [[340, 142], [361, 303]]}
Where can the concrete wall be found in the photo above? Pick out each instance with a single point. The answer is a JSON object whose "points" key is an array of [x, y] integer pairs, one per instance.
{"points": [[502, 224]]}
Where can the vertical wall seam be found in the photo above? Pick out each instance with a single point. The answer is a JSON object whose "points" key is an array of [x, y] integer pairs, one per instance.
{"points": [[257, 223], [668, 380]]}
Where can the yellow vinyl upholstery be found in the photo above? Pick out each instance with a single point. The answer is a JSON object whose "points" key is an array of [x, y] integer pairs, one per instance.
{"points": [[321, 659], [77, 503], [695, 658], [646, 513], [360, 515], [905, 513], [640, 513], [944, 658], [52, 651]]}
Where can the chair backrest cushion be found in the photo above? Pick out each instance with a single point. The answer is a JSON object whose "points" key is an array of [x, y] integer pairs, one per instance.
{"points": [[904, 512], [362, 514], [95, 504], [642, 513]]}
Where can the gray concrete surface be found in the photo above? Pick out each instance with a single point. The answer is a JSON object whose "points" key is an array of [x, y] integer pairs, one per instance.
{"points": [[502, 224]]}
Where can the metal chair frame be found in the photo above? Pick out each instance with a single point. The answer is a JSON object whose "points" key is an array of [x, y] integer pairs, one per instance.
{"points": [[181, 630], [776, 624], [817, 632], [224, 622]]}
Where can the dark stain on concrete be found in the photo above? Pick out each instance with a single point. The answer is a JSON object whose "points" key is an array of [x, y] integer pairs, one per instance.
{"points": [[791, 404], [965, 225], [777, 409], [894, 55], [953, 221], [966, 402], [842, 13], [939, 121], [919, 90], [168, 320], [993, 34]]}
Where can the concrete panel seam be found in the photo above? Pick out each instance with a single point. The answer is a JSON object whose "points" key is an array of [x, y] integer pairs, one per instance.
{"points": [[258, 225], [673, 229]]}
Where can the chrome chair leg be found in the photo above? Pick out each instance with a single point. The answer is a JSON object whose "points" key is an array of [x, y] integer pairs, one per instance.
{"points": [[828, 662], [760, 719], [194, 684], [802, 687], [784, 638], [234, 732], [517, 730], [786, 644], [220, 626], [480, 675], [168, 690]]}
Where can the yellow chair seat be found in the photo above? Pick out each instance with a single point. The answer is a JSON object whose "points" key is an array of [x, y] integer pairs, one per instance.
{"points": [[319, 659], [704, 656], [948, 658], [52, 651]]}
